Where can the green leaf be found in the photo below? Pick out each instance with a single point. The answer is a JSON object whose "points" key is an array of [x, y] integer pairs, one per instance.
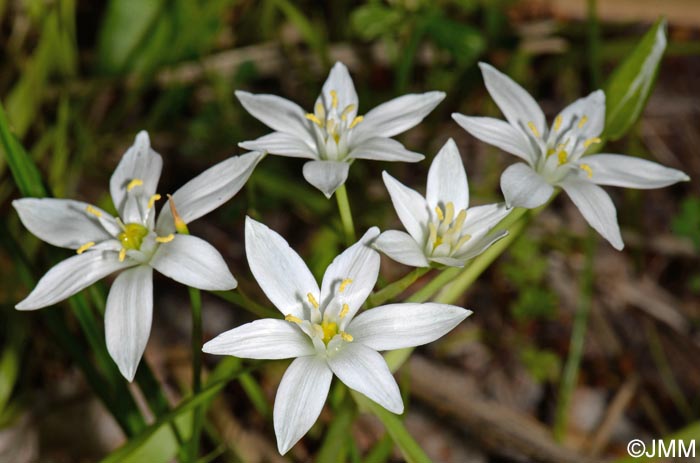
{"points": [[373, 20], [157, 443], [630, 85], [464, 43], [24, 171], [411, 451]]}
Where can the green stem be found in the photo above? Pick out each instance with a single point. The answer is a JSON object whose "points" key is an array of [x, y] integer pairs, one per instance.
{"points": [[394, 289], [578, 337], [198, 414], [341, 195]]}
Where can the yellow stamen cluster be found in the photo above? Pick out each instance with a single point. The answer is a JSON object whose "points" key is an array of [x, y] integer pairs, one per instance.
{"points": [[85, 247], [448, 228], [563, 157]]}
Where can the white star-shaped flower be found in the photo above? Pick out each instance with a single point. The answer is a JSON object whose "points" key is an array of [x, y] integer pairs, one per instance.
{"points": [[333, 135], [321, 331], [554, 156], [441, 227], [133, 242]]}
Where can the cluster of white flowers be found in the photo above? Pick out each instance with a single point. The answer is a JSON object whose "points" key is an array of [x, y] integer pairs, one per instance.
{"points": [[321, 328]]}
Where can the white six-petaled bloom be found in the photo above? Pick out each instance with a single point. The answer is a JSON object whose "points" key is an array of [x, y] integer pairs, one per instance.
{"points": [[441, 227], [333, 135], [554, 156], [321, 330], [134, 242]]}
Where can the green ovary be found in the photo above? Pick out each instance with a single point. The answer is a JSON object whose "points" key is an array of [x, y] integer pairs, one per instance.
{"points": [[132, 236], [330, 329]]}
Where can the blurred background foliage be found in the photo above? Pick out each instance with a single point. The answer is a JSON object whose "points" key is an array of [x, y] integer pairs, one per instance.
{"points": [[80, 78]]}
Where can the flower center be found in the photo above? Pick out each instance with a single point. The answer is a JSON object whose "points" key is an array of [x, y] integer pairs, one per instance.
{"points": [[132, 235], [446, 235], [330, 329], [332, 127]]}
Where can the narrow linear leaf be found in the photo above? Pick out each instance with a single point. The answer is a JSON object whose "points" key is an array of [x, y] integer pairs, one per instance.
{"points": [[631, 83], [24, 171]]}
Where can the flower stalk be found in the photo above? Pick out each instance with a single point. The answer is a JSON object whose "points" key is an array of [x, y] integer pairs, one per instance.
{"points": [[341, 195]]}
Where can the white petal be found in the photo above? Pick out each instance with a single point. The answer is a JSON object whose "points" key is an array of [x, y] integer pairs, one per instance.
{"points": [[397, 115], [523, 187], [193, 262], [62, 222], [384, 149], [278, 113], [410, 206], [72, 275], [498, 133], [208, 190], [447, 179], [396, 326], [631, 172], [300, 398], [478, 244], [596, 207], [592, 107], [365, 371], [139, 162], [339, 80], [358, 263], [128, 318], [281, 273], [401, 247], [282, 144], [327, 176], [484, 217], [514, 101], [262, 339]]}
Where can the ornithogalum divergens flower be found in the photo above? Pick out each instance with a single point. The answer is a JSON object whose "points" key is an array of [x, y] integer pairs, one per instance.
{"points": [[321, 331], [334, 135], [554, 156], [133, 242], [441, 227]]}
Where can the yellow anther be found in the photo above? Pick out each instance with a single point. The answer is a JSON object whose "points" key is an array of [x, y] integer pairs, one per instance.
{"points": [[347, 337], [463, 240], [344, 284], [314, 119], [439, 213], [557, 123], [344, 311], [91, 210], [180, 224], [165, 239], [563, 156], [533, 129], [134, 183], [85, 247], [551, 151], [591, 141], [152, 200], [449, 212], [587, 169], [312, 300], [334, 99], [433, 232], [319, 110], [122, 254], [437, 243], [356, 121], [348, 109], [582, 122], [293, 319], [459, 221]]}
